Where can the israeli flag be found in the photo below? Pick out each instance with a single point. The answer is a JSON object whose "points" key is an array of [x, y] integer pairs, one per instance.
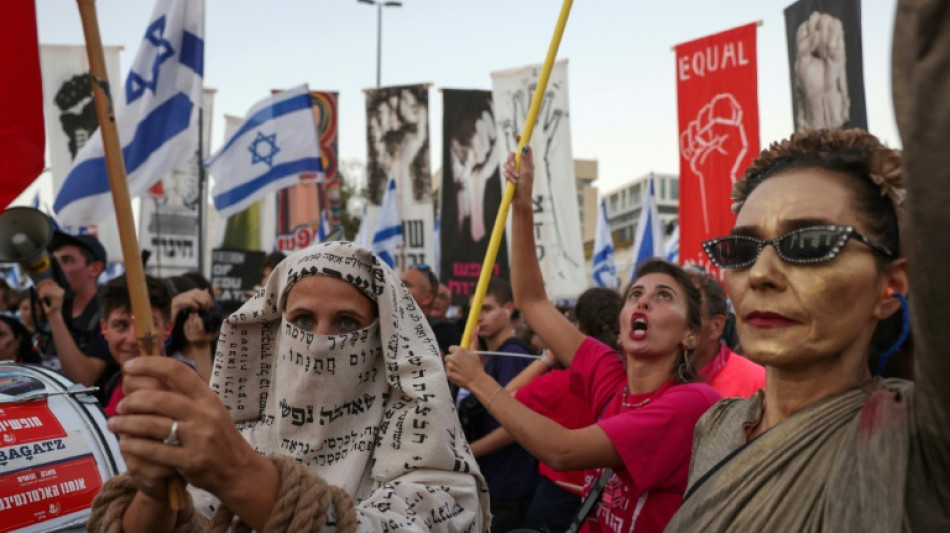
{"points": [[649, 238], [156, 115], [268, 152], [388, 236], [363, 238], [673, 246], [604, 270], [324, 229]]}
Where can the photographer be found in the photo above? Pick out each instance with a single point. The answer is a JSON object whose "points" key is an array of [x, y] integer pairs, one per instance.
{"points": [[196, 323]]}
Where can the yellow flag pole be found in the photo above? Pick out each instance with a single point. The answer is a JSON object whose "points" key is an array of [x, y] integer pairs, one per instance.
{"points": [[495, 242], [134, 270]]}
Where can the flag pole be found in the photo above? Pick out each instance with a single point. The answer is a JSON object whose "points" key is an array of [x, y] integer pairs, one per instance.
{"points": [[134, 271], [499, 229]]}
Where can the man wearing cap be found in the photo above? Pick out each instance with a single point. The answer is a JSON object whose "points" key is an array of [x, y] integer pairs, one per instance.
{"points": [[74, 331]]}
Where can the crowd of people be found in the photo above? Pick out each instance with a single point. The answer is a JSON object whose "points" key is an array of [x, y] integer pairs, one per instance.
{"points": [[806, 393]]}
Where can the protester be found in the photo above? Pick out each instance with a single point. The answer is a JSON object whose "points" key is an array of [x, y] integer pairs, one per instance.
{"points": [[724, 370], [545, 389], [15, 341], [269, 263], [511, 472], [332, 376], [423, 285], [813, 266], [76, 344], [644, 405], [118, 326], [196, 324], [446, 331]]}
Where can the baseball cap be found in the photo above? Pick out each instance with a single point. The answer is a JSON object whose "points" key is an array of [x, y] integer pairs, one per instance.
{"points": [[89, 242]]}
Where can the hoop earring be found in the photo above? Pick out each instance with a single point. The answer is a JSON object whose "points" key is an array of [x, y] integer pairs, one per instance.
{"points": [[901, 339]]}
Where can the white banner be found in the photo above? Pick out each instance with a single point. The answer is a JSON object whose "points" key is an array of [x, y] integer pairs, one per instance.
{"points": [[70, 120], [170, 218], [556, 220], [397, 121]]}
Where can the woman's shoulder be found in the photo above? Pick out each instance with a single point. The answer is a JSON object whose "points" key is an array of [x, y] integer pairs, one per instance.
{"points": [[693, 393]]}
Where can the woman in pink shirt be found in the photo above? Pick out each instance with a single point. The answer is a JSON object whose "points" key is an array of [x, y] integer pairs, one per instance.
{"points": [[645, 404]]}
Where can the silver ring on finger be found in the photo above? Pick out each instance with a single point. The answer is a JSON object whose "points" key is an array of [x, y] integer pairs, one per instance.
{"points": [[172, 438]]}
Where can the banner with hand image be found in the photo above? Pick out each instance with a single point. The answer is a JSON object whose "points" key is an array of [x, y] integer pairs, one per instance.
{"points": [[717, 100]]}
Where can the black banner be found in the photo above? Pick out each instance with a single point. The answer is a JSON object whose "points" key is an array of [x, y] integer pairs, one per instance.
{"points": [[235, 273], [472, 187], [825, 64]]}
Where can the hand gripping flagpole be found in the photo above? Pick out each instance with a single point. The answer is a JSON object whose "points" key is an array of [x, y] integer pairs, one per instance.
{"points": [[495, 242], [134, 271]]}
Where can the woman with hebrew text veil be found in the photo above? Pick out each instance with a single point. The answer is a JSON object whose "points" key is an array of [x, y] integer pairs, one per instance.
{"points": [[816, 266], [328, 410]]}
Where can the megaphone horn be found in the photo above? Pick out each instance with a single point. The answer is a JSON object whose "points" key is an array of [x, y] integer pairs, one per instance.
{"points": [[24, 235]]}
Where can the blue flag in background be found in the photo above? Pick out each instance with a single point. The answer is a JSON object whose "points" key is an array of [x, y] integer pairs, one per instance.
{"points": [[156, 115], [673, 246], [649, 238], [388, 236], [604, 270]]}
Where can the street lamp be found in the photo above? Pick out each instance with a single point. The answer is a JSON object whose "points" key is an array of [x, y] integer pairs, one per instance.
{"points": [[379, 28]]}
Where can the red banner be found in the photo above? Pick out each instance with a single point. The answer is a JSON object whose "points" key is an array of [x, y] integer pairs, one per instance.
{"points": [[22, 423], [22, 133], [719, 132], [46, 492]]}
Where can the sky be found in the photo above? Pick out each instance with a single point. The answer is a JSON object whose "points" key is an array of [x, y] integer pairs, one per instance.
{"points": [[621, 71]]}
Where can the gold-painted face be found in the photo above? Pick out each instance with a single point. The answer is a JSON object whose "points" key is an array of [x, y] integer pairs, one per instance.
{"points": [[799, 317]]}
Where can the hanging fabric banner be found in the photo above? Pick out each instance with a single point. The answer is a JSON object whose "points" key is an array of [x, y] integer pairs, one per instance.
{"points": [[719, 132], [71, 120], [170, 217], [825, 64], [300, 207], [397, 120], [556, 220], [471, 190]]}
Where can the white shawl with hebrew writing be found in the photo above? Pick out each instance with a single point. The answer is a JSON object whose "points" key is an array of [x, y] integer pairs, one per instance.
{"points": [[368, 411]]}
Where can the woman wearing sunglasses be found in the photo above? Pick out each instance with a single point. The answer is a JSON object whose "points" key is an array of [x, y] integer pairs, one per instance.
{"points": [[644, 403], [814, 267]]}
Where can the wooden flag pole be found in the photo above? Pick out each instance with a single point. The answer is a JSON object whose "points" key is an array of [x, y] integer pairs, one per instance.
{"points": [[134, 271], [495, 242]]}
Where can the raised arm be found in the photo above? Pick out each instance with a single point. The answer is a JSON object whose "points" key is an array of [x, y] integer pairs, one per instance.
{"points": [[921, 82], [550, 442], [527, 282]]}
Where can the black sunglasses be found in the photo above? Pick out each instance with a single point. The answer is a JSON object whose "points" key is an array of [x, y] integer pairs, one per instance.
{"points": [[433, 279], [817, 244]]}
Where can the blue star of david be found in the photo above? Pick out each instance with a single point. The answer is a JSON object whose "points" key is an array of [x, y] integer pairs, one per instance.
{"points": [[267, 158], [162, 51]]}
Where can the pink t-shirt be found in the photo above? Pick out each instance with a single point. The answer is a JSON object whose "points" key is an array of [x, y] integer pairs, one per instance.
{"points": [[654, 441], [550, 395], [732, 375]]}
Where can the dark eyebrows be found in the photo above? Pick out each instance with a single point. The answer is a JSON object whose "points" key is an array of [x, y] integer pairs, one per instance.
{"points": [[785, 226], [658, 286]]}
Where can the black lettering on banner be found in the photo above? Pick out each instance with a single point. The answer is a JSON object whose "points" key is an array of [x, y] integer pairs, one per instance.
{"points": [[413, 232]]}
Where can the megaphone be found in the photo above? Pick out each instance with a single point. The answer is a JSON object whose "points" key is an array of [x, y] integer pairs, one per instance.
{"points": [[24, 235]]}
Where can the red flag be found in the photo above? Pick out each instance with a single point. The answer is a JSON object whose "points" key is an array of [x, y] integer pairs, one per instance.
{"points": [[719, 132], [22, 138]]}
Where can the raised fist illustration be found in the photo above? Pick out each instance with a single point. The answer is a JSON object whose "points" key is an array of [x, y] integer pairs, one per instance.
{"points": [[715, 144], [398, 133], [820, 78], [475, 158]]}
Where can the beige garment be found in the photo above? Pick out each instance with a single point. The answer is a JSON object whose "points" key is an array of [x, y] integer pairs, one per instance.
{"points": [[368, 411], [862, 461]]}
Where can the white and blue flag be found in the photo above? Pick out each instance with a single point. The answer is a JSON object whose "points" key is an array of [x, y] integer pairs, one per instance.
{"points": [[324, 229], [649, 239], [156, 115], [363, 238], [604, 270], [275, 144], [388, 235], [673, 246]]}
